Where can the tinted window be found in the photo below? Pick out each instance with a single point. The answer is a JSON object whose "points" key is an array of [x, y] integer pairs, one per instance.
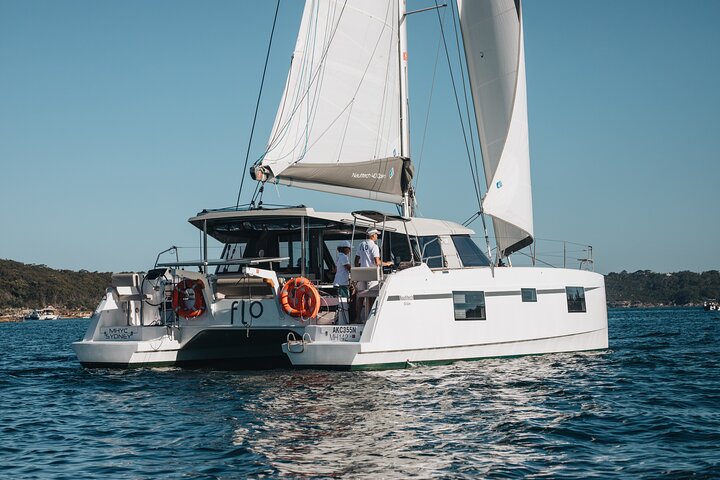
{"points": [[528, 294], [291, 247], [430, 251], [469, 305], [399, 248], [470, 254], [575, 299]]}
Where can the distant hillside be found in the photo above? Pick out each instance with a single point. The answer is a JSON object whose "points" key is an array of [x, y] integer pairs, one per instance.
{"points": [[35, 286], [644, 286]]}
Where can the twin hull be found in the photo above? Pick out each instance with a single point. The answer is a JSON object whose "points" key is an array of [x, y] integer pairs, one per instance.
{"points": [[416, 318]]}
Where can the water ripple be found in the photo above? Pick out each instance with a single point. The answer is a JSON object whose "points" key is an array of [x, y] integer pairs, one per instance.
{"points": [[645, 408]]}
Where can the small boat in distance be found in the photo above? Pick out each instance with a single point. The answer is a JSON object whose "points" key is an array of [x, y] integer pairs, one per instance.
{"points": [[32, 315], [48, 313], [711, 306]]}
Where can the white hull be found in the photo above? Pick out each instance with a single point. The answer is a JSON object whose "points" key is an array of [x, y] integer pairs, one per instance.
{"points": [[408, 328], [218, 338], [165, 351], [418, 314]]}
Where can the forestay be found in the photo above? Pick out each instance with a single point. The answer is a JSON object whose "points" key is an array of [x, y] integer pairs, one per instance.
{"points": [[494, 48], [337, 128]]}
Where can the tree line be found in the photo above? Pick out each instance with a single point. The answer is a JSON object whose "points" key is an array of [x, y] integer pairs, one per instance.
{"points": [[35, 286], [647, 287]]}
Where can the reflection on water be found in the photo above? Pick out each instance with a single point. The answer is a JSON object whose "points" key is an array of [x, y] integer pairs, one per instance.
{"points": [[477, 418], [646, 408]]}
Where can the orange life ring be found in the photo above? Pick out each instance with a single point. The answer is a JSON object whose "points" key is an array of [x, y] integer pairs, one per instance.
{"points": [[300, 298], [185, 292]]}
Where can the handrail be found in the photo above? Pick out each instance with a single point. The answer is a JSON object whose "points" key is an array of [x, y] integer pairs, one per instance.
{"points": [[239, 261]]}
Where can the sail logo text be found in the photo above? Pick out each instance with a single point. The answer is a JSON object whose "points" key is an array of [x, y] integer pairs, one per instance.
{"points": [[374, 176]]}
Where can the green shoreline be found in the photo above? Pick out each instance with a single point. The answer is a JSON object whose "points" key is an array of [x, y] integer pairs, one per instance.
{"points": [[26, 287]]}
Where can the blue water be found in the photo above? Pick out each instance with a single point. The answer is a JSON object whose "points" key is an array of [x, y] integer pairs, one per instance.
{"points": [[648, 407]]}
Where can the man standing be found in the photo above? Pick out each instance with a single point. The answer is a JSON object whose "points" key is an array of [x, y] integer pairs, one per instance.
{"points": [[368, 253], [342, 265]]}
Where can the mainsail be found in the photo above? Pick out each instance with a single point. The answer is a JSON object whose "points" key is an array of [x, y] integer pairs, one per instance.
{"points": [[338, 126], [494, 48]]}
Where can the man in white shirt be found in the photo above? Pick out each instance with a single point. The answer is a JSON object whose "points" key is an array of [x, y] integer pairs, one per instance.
{"points": [[342, 266], [368, 253]]}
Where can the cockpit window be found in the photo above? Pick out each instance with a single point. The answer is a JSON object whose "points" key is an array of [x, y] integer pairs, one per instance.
{"points": [[430, 251], [470, 254]]}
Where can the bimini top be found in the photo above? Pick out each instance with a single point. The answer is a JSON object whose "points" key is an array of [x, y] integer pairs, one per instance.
{"points": [[222, 224]]}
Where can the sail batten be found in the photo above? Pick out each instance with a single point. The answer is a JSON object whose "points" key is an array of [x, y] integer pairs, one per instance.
{"points": [[494, 49], [339, 117]]}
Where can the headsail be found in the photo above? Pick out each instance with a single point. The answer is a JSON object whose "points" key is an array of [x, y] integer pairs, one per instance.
{"points": [[338, 125], [494, 48]]}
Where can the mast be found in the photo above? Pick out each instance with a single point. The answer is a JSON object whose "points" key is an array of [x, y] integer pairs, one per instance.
{"points": [[407, 210]]}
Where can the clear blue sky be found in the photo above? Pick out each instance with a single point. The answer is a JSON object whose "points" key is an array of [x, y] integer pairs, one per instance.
{"points": [[121, 119]]}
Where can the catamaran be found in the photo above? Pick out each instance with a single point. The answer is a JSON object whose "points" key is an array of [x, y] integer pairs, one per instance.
{"points": [[342, 128]]}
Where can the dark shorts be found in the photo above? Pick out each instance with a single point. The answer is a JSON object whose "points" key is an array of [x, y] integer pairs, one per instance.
{"points": [[343, 291]]}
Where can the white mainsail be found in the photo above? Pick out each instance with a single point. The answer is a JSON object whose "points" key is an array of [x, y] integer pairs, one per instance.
{"points": [[494, 48], [337, 128]]}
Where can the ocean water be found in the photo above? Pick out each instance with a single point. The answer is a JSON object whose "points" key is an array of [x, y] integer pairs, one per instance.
{"points": [[649, 407]]}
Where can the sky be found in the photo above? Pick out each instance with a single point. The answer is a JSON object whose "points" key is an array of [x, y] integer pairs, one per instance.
{"points": [[119, 120]]}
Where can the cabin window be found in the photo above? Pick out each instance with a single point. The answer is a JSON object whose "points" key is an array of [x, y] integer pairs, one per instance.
{"points": [[575, 299], [232, 251], [397, 243], [528, 294], [291, 247], [430, 251], [470, 254], [469, 305]]}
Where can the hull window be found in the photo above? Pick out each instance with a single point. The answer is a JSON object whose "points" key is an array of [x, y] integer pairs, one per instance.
{"points": [[469, 305], [575, 299], [528, 294]]}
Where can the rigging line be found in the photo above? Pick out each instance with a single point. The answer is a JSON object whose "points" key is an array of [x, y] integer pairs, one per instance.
{"points": [[467, 105], [312, 102], [257, 104], [311, 81], [457, 103], [254, 195], [427, 115], [471, 219], [385, 118], [347, 109], [536, 259], [360, 83], [278, 134]]}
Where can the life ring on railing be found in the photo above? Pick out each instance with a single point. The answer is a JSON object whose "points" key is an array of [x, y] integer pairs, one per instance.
{"points": [[300, 298], [187, 298]]}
